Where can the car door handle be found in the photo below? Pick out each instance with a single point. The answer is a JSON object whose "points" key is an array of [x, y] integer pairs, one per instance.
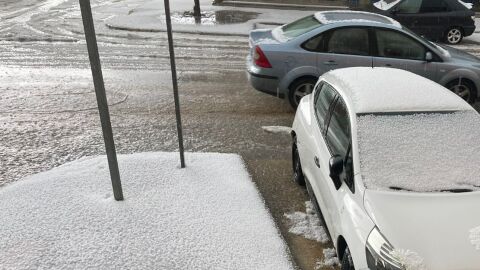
{"points": [[317, 162], [330, 63], [388, 65]]}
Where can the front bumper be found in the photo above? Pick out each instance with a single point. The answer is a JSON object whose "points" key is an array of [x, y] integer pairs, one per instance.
{"points": [[265, 83]]}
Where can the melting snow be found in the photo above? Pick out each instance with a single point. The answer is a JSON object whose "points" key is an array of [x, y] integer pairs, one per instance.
{"points": [[420, 152], [207, 216], [409, 259], [277, 129], [307, 224], [329, 259], [475, 237]]}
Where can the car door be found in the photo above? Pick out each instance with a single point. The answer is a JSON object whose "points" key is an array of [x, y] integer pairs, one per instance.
{"points": [[407, 13], [318, 155], [341, 47], [336, 141], [436, 18], [395, 49]]}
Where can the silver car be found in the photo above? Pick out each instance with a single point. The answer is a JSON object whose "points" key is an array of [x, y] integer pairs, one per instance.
{"points": [[287, 61]]}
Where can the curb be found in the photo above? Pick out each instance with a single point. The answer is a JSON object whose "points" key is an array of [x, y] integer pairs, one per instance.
{"points": [[277, 5]]}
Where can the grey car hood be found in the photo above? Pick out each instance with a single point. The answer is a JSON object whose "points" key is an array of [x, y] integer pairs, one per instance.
{"points": [[456, 54]]}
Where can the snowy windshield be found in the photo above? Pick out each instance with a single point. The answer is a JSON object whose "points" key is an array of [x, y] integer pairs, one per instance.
{"points": [[300, 27], [421, 152]]}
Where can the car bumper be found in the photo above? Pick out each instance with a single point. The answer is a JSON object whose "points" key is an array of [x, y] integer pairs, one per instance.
{"points": [[265, 83], [469, 30]]}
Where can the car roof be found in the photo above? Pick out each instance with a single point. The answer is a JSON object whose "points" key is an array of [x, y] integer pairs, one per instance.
{"points": [[388, 90], [354, 17]]}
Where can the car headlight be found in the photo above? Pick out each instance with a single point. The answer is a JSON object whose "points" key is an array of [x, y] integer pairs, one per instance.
{"points": [[379, 253]]}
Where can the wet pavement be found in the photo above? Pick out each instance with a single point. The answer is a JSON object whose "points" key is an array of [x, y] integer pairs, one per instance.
{"points": [[48, 113]]}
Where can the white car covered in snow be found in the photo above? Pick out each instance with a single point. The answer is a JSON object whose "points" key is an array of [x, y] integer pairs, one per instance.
{"points": [[389, 159]]}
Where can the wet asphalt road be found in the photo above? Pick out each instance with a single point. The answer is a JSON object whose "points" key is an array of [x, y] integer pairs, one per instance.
{"points": [[48, 113]]}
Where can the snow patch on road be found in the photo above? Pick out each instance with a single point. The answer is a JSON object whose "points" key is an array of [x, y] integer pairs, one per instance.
{"points": [[206, 216], [329, 260], [277, 129], [307, 224]]}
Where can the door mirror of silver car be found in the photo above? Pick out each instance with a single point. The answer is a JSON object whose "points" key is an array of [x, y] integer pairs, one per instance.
{"points": [[428, 57], [336, 169]]}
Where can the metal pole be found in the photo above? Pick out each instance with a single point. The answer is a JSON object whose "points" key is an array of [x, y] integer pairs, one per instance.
{"points": [[196, 12], [101, 97], [175, 82]]}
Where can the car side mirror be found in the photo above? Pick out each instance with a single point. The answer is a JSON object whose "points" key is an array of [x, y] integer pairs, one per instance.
{"points": [[429, 57], [336, 168]]}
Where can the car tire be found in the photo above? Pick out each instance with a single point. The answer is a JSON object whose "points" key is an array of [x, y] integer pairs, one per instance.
{"points": [[454, 35], [464, 89], [347, 262], [299, 89], [297, 166]]}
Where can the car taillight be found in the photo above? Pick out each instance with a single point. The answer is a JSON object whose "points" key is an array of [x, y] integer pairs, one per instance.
{"points": [[260, 59]]}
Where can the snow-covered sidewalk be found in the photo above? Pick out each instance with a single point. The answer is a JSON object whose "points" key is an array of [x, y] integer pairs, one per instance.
{"points": [[207, 216], [150, 16]]}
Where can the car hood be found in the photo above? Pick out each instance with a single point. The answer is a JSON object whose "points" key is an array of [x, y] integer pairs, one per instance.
{"points": [[442, 228], [456, 54]]}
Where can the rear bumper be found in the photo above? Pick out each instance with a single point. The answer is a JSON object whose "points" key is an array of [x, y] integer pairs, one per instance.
{"points": [[265, 83], [469, 29]]}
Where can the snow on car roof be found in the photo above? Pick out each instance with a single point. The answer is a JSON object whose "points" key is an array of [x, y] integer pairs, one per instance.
{"points": [[373, 90], [420, 152], [327, 17]]}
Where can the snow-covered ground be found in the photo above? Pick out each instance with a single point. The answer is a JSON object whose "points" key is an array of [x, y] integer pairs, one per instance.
{"points": [[207, 216], [309, 226], [150, 16]]}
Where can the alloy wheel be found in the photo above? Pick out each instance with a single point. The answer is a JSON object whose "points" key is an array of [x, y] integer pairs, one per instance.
{"points": [[301, 91], [462, 91], [454, 36]]}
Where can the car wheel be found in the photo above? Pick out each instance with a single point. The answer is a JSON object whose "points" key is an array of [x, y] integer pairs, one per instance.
{"points": [[454, 35], [299, 89], [297, 166], [464, 89], [347, 262]]}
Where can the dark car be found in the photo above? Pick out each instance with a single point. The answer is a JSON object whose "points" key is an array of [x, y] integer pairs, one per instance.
{"points": [[447, 20]]}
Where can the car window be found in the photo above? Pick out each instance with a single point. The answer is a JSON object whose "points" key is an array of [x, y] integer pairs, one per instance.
{"points": [[300, 27], [315, 44], [429, 6], [393, 44], [349, 41], [338, 132], [324, 98], [409, 6]]}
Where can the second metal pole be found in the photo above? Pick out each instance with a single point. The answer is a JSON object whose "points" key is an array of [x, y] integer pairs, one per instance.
{"points": [[175, 83]]}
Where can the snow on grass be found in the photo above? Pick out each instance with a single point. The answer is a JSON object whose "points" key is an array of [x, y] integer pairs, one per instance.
{"points": [[307, 224], [277, 129], [424, 152], [408, 259], [329, 260], [207, 216]]}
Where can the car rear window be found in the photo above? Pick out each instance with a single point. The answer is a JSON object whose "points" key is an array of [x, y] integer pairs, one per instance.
{"points": [[300, 27]]}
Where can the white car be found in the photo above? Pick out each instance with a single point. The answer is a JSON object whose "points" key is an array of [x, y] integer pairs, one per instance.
{"points": [[389, 159]]}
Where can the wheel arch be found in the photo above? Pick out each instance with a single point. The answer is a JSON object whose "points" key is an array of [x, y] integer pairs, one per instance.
{"points": [[297, 74], [463, 74]]}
